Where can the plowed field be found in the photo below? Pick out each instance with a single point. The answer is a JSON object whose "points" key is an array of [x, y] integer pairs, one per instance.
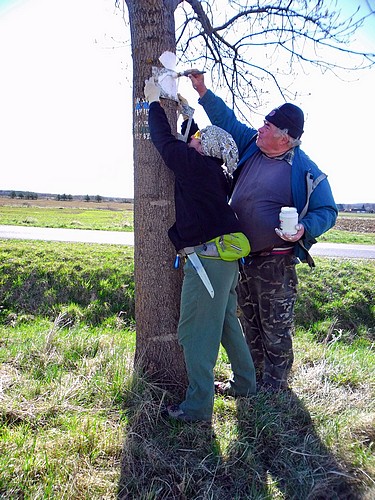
{"points": [[356, 224]]}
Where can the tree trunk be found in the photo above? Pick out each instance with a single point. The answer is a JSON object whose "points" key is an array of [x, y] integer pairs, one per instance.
{"points": [[157, 283]]}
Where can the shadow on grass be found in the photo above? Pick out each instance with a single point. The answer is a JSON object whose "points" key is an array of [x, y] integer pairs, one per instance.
{"points": [[162, 458], [266, 448], [282, 456]]}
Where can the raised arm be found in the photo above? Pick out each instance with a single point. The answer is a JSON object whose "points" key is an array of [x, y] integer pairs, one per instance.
{"points": [[169, 147], [222, 116]]}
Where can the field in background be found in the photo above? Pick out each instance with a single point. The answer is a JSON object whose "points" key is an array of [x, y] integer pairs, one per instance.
{"points": [[81, 204], [354, 228], [75, 214]]}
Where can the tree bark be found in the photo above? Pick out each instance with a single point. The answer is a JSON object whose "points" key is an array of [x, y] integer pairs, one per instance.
{"points": [[157, 283]]}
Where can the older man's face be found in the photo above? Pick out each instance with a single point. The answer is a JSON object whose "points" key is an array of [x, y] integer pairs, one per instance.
{"points": [[269, 139]]}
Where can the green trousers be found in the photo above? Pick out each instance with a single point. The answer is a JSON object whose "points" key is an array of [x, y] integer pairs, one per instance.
{"points": [[206, 322]]}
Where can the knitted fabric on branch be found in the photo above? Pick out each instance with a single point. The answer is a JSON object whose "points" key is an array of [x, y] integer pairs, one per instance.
{"points": [[218, 143]]}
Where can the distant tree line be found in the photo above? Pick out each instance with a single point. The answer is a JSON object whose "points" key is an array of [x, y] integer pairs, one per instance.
{"points": [[27, 195], [69, 197], [96, 198], [64, 197], [24, 195], [356, 207]]}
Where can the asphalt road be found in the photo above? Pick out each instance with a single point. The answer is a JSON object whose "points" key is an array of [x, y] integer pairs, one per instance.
{"points": [[124, 238], [68, 235]]}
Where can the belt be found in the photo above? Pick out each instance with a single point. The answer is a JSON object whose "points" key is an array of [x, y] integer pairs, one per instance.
{"points": [[207, 250], [204, 250], [272, 251]]}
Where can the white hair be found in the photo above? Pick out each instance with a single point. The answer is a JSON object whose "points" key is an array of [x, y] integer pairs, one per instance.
{"points": [[292, 141]]}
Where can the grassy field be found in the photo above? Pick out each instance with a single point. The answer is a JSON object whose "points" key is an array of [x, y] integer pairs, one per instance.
{"points": [[76, 421], [350, 228], [106, 216]]}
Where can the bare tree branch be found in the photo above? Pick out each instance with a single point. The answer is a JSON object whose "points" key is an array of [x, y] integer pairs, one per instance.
{"points": [[292, 33]]}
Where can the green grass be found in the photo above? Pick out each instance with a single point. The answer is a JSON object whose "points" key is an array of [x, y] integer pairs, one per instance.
{"points": [[46, 278], [357, 215], [77, 422], [340, 292], [71, 218], [355, 228], [347, 237], [61, 417]]}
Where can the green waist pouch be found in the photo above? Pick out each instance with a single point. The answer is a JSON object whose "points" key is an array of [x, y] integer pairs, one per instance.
{"points": [[232, 246]]}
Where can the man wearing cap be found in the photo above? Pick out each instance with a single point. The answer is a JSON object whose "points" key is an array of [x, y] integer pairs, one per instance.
{"points": [[203, 213], [272, 172]]}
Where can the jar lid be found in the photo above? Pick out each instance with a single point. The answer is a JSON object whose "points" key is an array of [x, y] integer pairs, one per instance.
{"points": [[288, 209]]}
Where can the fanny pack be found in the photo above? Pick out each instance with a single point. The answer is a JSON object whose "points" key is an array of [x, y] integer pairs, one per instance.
{"points": [[232, 246]]}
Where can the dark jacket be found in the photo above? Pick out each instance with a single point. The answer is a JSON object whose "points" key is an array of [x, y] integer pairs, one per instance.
{"points": [[201, 187]]}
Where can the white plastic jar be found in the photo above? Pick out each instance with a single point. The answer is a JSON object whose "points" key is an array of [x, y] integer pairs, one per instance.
{"points": [[288, 220]]}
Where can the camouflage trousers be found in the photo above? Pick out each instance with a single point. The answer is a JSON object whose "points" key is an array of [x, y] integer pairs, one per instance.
{"points": [[267, 292]]}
